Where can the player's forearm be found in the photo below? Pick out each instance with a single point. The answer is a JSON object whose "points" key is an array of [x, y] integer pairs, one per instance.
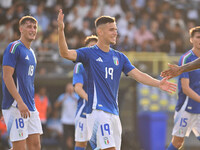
{"points": [[192, 94], [191, 66], [63, 48], [143, 78], [81, 92], [9, 82], [148, 80]]}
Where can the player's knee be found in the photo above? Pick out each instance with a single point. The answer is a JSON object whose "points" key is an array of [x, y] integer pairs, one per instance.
{"points": [[178, 144], [178, 141], [22, 147], [35, 145], [19, 145], [81, 144]]}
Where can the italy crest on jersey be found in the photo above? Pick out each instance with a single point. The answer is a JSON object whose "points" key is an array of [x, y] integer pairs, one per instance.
{"points": [[115, 60]]}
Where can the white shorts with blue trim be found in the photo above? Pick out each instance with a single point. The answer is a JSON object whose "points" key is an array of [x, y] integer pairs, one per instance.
{"points": [[81, 129], [185, 122], [18, 127], [104, 129]]}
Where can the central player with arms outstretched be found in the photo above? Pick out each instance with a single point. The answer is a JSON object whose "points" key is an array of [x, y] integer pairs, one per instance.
{"points": [[103, 67]]}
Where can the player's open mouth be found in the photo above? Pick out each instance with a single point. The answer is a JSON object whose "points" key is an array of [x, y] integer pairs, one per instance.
{"points": [[33, 35]]}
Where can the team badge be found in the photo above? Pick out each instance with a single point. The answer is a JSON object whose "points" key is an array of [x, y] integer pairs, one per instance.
{"points": [[115, 60], [81, 135], [180, 131], [106, 141], [20, 133]]}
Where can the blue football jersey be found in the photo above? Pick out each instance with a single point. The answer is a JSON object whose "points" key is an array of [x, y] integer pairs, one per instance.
{"points": [[79, 76], [194, 78], [23, 60], [103, 71]]}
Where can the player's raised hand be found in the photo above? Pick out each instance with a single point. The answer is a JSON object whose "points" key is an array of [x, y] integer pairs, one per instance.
{"points": [[25, 113], [60, 20], [167, 86], [173, 71]]}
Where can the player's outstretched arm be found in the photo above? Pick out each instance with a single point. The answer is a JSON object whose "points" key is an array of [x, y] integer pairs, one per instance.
{"points": [[63, 48], [177, 70], [191, 65], [80, 91], [148, 80], [173, 71], [10, 84]]}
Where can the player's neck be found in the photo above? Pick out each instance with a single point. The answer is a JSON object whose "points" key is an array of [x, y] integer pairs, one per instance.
{"points": [[26, 43], [104, 47], [196, 51]]}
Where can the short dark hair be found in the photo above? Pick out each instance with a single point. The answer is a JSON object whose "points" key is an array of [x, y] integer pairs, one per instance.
{"points": [[194, 30], [88, 39], [103, 20], [27, 18]]}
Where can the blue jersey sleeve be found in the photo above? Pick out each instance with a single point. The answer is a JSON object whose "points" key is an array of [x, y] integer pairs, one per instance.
{"points": [[11, 54], [77, 75], [82, 55], [60, 98], [127, 66], [182, 62]]}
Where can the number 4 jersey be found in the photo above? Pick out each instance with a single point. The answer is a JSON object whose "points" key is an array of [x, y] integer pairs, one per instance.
{"points": [[103, 70], [23, 60]]}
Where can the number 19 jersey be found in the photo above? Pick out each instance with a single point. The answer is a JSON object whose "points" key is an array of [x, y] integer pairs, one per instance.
{"points": [[103, 71], [23, 60]]}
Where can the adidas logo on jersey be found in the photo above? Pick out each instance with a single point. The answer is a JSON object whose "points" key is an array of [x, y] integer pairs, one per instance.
{"points": [[27, 58], [99, 59]]}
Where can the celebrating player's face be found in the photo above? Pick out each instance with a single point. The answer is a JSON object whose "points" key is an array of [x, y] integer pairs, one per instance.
{"points": [[29, 30], [196, 40], [110, 32]]}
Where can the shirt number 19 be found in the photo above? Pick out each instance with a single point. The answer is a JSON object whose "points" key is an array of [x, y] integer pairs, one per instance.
{"points": [[109, 72]]}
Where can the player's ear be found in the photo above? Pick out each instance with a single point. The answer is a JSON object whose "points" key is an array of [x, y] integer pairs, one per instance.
{"points": [[191, 40], [20, 29], [99, 31]]}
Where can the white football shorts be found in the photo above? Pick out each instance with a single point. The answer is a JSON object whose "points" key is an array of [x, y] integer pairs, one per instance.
{"points": [[81, 131], [185, 122], [104, 129], [19, 128]]}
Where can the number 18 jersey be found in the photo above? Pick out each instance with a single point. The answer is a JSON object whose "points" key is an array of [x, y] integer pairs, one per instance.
{"points": [[103, 71], [23, 60]]}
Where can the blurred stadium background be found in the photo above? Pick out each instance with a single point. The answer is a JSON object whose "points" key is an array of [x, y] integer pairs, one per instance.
{"points": [[151, 33]]}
